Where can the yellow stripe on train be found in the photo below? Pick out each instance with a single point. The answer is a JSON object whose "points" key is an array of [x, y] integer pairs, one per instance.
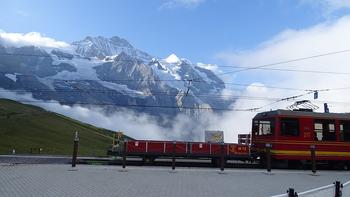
{"points": [[307, 153]]}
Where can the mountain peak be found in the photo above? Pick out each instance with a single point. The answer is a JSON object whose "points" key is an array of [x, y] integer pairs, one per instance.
{"points": [[101, 47], [172, 59]]}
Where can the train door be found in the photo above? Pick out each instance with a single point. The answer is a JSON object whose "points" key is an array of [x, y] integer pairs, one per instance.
{"points": [[263, 132], [344, 131], [264, 128]]}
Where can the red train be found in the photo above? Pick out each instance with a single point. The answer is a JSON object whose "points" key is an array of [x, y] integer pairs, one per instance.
{"points": [[290, 135]]}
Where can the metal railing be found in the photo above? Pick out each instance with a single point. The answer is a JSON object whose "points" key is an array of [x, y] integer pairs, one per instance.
{"points": [[346, 189], [333, 190]]}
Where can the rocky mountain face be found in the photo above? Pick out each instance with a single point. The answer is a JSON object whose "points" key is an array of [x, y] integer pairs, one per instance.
{"points": [[101, 47], [110, 73]]}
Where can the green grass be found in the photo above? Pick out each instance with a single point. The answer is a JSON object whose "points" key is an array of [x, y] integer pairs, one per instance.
{"points": [[27, 128]]}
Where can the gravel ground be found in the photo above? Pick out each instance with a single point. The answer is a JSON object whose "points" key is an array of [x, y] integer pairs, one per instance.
{"points": [[88, 180]]}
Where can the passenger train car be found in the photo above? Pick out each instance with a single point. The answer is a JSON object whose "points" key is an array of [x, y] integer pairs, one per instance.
{"points": [[292, 134]]}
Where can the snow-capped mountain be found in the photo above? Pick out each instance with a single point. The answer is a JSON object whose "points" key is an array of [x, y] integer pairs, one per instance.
{"points": [[111, 73], [101, 47]]}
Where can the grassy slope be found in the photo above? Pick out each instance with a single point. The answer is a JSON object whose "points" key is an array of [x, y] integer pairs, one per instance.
{"points": [[25, 126]]}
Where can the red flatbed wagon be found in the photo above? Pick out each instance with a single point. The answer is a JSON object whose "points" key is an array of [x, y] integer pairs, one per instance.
{"points": [[156, 149]]}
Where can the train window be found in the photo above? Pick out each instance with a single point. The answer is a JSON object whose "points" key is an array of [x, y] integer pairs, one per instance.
{"points": [[318, 131], [289, 127], [324, 130], [263, 127], [345, 131]]}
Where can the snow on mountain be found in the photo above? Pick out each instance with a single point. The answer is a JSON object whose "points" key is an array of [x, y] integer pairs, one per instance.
{"points": [[11, 76], [111, 70], [101, 47], [172, 59]]}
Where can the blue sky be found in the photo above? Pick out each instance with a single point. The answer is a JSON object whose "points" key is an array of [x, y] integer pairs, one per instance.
{"points": [[195, 29]]}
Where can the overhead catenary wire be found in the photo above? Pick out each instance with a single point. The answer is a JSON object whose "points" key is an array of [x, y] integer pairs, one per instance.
{"points": [[283, 62], [185, 81], [244, 68], [255, 109], [128, 105], [235, 71], [292, 70], [203, 109], [113, 92], [280, 100], [293, 98]]}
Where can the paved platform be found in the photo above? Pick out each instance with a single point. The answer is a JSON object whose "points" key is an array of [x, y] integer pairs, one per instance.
{"points": [[88, 180]]}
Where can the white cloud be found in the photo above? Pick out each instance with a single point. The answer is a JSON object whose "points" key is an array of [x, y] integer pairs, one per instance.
{"points": [[212, 67], [168, 4], [30, 39]]}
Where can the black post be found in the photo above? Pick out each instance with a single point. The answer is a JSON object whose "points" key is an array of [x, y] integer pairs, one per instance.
{"points": [[173, 156], [222, 158], [268, 157], [124, 154], [337, 189], [75, 149], [292, 193], [313, 158]]}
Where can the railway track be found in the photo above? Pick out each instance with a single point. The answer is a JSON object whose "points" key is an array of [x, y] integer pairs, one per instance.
{"points": [[183, 162]]}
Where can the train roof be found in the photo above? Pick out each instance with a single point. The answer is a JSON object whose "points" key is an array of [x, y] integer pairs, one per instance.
{"points": [[281, 112]]}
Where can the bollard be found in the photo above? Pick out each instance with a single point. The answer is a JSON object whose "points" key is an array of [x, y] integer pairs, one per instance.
{"points": [[313, 158], [222, 158], [338, 189], [173, 156], [292, 193], [268, 157], [124, 155], [75, 149]]}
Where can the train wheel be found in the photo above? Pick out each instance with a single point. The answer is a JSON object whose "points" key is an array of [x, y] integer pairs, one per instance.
{"points": [[337, 165], [295, 164], [216, 162], [148, 160]]}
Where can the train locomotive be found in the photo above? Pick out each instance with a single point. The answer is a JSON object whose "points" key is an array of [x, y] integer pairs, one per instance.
{"points": [[288, 134]]}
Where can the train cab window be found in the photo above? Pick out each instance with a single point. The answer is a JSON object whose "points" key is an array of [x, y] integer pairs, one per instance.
{"points": [[324, 130], [263, 127], [345, 131], [289, 127]]}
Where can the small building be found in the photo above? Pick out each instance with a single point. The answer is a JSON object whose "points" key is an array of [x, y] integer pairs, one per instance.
{"points": [[214, 136]]}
